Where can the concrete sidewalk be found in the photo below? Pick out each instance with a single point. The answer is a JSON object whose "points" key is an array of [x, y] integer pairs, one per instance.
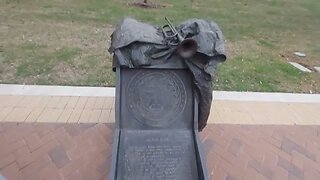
{"points": [[83, 109], [70, 104]]}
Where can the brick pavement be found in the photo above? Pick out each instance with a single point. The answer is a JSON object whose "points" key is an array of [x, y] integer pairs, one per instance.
{"points": [[56, 109], [84, 109], [83, 151], [55, 151]]}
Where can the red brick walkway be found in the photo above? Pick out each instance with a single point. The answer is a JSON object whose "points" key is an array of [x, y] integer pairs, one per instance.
{"points": [[262, 152], [83, 151]]}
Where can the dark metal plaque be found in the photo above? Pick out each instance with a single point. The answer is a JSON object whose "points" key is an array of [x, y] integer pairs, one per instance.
{"points": [[159, 155], [156, 137], [163, 97], [155, 98]]}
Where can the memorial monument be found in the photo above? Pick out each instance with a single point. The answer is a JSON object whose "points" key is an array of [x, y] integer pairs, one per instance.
{"points": [[163, 98]]}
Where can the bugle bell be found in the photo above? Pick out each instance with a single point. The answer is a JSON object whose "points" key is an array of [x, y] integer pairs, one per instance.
{"points": [[186, 47]]}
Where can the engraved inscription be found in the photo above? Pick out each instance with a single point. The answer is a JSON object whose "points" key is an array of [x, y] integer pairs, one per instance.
{"points": [[155, 98], [159, 158], [156, 162]]}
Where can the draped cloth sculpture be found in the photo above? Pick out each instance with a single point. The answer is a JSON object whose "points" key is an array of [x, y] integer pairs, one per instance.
{"points": [[135, 44]]}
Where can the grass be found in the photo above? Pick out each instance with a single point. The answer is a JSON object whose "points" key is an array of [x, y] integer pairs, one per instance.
{"points": [[251, 74], [64, 42]]}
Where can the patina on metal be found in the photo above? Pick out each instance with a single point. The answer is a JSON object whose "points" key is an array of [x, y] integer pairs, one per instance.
{"points": [[163, 98], [186, 48]]}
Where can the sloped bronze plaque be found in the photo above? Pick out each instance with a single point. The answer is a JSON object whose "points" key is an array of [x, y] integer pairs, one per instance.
{"points": [[156, 127]]}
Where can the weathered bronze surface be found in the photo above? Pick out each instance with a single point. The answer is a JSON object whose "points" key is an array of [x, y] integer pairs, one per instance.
{"points": [[160, 96], [156, 126], [197, 43]]}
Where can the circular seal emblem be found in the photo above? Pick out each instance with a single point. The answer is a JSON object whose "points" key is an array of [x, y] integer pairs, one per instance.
{"points": [[155, 98]]}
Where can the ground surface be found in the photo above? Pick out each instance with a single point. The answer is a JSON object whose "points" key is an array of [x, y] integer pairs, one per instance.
{"points": [[65, 42], [57, 133], [83, 109], [83, 151]]}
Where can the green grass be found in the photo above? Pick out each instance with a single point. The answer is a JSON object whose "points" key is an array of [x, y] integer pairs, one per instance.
{"points": [[266, 43], [64, 42], [35, 61], [252, 74]]}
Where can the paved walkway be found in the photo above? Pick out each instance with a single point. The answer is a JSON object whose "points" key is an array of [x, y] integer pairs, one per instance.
{"points": [[82, 109], [66, 133], [83, 151]]}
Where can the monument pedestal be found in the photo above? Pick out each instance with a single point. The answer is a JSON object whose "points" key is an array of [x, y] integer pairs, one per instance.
{"points": [[156, 135]]}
